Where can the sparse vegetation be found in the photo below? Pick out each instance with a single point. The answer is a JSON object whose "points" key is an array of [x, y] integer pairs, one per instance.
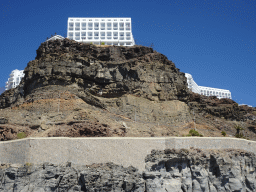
{"points": [[193, 132], [28, 164], [223, 133], [21, 135], [238, 127], [240, 135]]}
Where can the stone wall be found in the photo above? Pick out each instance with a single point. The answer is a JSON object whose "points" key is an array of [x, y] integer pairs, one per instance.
{"points": [[123, 151]]}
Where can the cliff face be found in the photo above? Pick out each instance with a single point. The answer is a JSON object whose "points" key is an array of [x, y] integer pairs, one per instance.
{"points": [[113, 91], [182, 170], [106, 71]]}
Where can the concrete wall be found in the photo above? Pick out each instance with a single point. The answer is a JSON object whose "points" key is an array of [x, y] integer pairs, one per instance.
{"points": [[120, 150]]}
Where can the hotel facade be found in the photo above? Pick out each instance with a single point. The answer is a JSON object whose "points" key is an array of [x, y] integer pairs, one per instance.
{"points": [[14, 79], [207, 91], [108, 31]]}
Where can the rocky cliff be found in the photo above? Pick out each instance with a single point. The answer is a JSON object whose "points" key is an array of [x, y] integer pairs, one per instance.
{"points": [[75, 89], [104, 71], [171, 170]]}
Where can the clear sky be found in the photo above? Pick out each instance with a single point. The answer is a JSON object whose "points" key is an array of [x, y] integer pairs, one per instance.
{"points": [[212, 40]]}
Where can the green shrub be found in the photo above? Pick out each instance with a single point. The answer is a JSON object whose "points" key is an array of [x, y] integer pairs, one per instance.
{"points": [[238, 127], [193, 132], [240, 135], [223, 133], [21, 135], [102, 43], [28, 164]]}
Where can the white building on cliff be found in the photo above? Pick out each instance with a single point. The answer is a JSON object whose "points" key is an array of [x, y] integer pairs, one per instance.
{"points": [[108, 31], [207, 91], [14, 79]]}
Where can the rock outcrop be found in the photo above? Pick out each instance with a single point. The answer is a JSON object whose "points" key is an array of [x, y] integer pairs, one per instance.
{"points": [[102, 71], [171, 170], [198, 170], [225, 108], [136, 86]]}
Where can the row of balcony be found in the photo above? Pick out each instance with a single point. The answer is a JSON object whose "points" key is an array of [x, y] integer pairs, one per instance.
{"points": [[97, 19], [96, 28], [97, 38], [101, 25], [115, 34], [116, 43]]}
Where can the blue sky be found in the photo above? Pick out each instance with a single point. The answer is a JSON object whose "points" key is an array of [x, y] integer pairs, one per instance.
{"points": [[212, 40]]}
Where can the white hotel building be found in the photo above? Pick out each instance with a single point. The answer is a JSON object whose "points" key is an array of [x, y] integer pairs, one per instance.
{"points": [[14, 79], [108, 31], [207, 91]]}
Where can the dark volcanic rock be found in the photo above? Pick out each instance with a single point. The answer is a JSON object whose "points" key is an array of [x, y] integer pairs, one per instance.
{"points": [[226, 108], [50, 177], [171, 170], [102, 71], [200, 170]]}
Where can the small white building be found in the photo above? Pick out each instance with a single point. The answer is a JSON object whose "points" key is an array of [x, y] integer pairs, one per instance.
{"points": [[14, 79], [108, 31], [55, 37], [207, 91]]}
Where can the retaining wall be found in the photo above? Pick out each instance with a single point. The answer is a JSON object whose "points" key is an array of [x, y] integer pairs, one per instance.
{"points": [[124, 151]]}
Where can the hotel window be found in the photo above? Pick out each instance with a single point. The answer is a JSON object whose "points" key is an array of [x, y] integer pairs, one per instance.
{"points": [[115, 35], [77, 26], [89, 26], [83, 26], [102, 26], [121, 25], [114, 26], [89, 35], [109, 26], [102, 35], [96, 26], [77, 36], [121, 35], [71, 26], [109, 35], [96, 35], [128, 36], [127, 26]]}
